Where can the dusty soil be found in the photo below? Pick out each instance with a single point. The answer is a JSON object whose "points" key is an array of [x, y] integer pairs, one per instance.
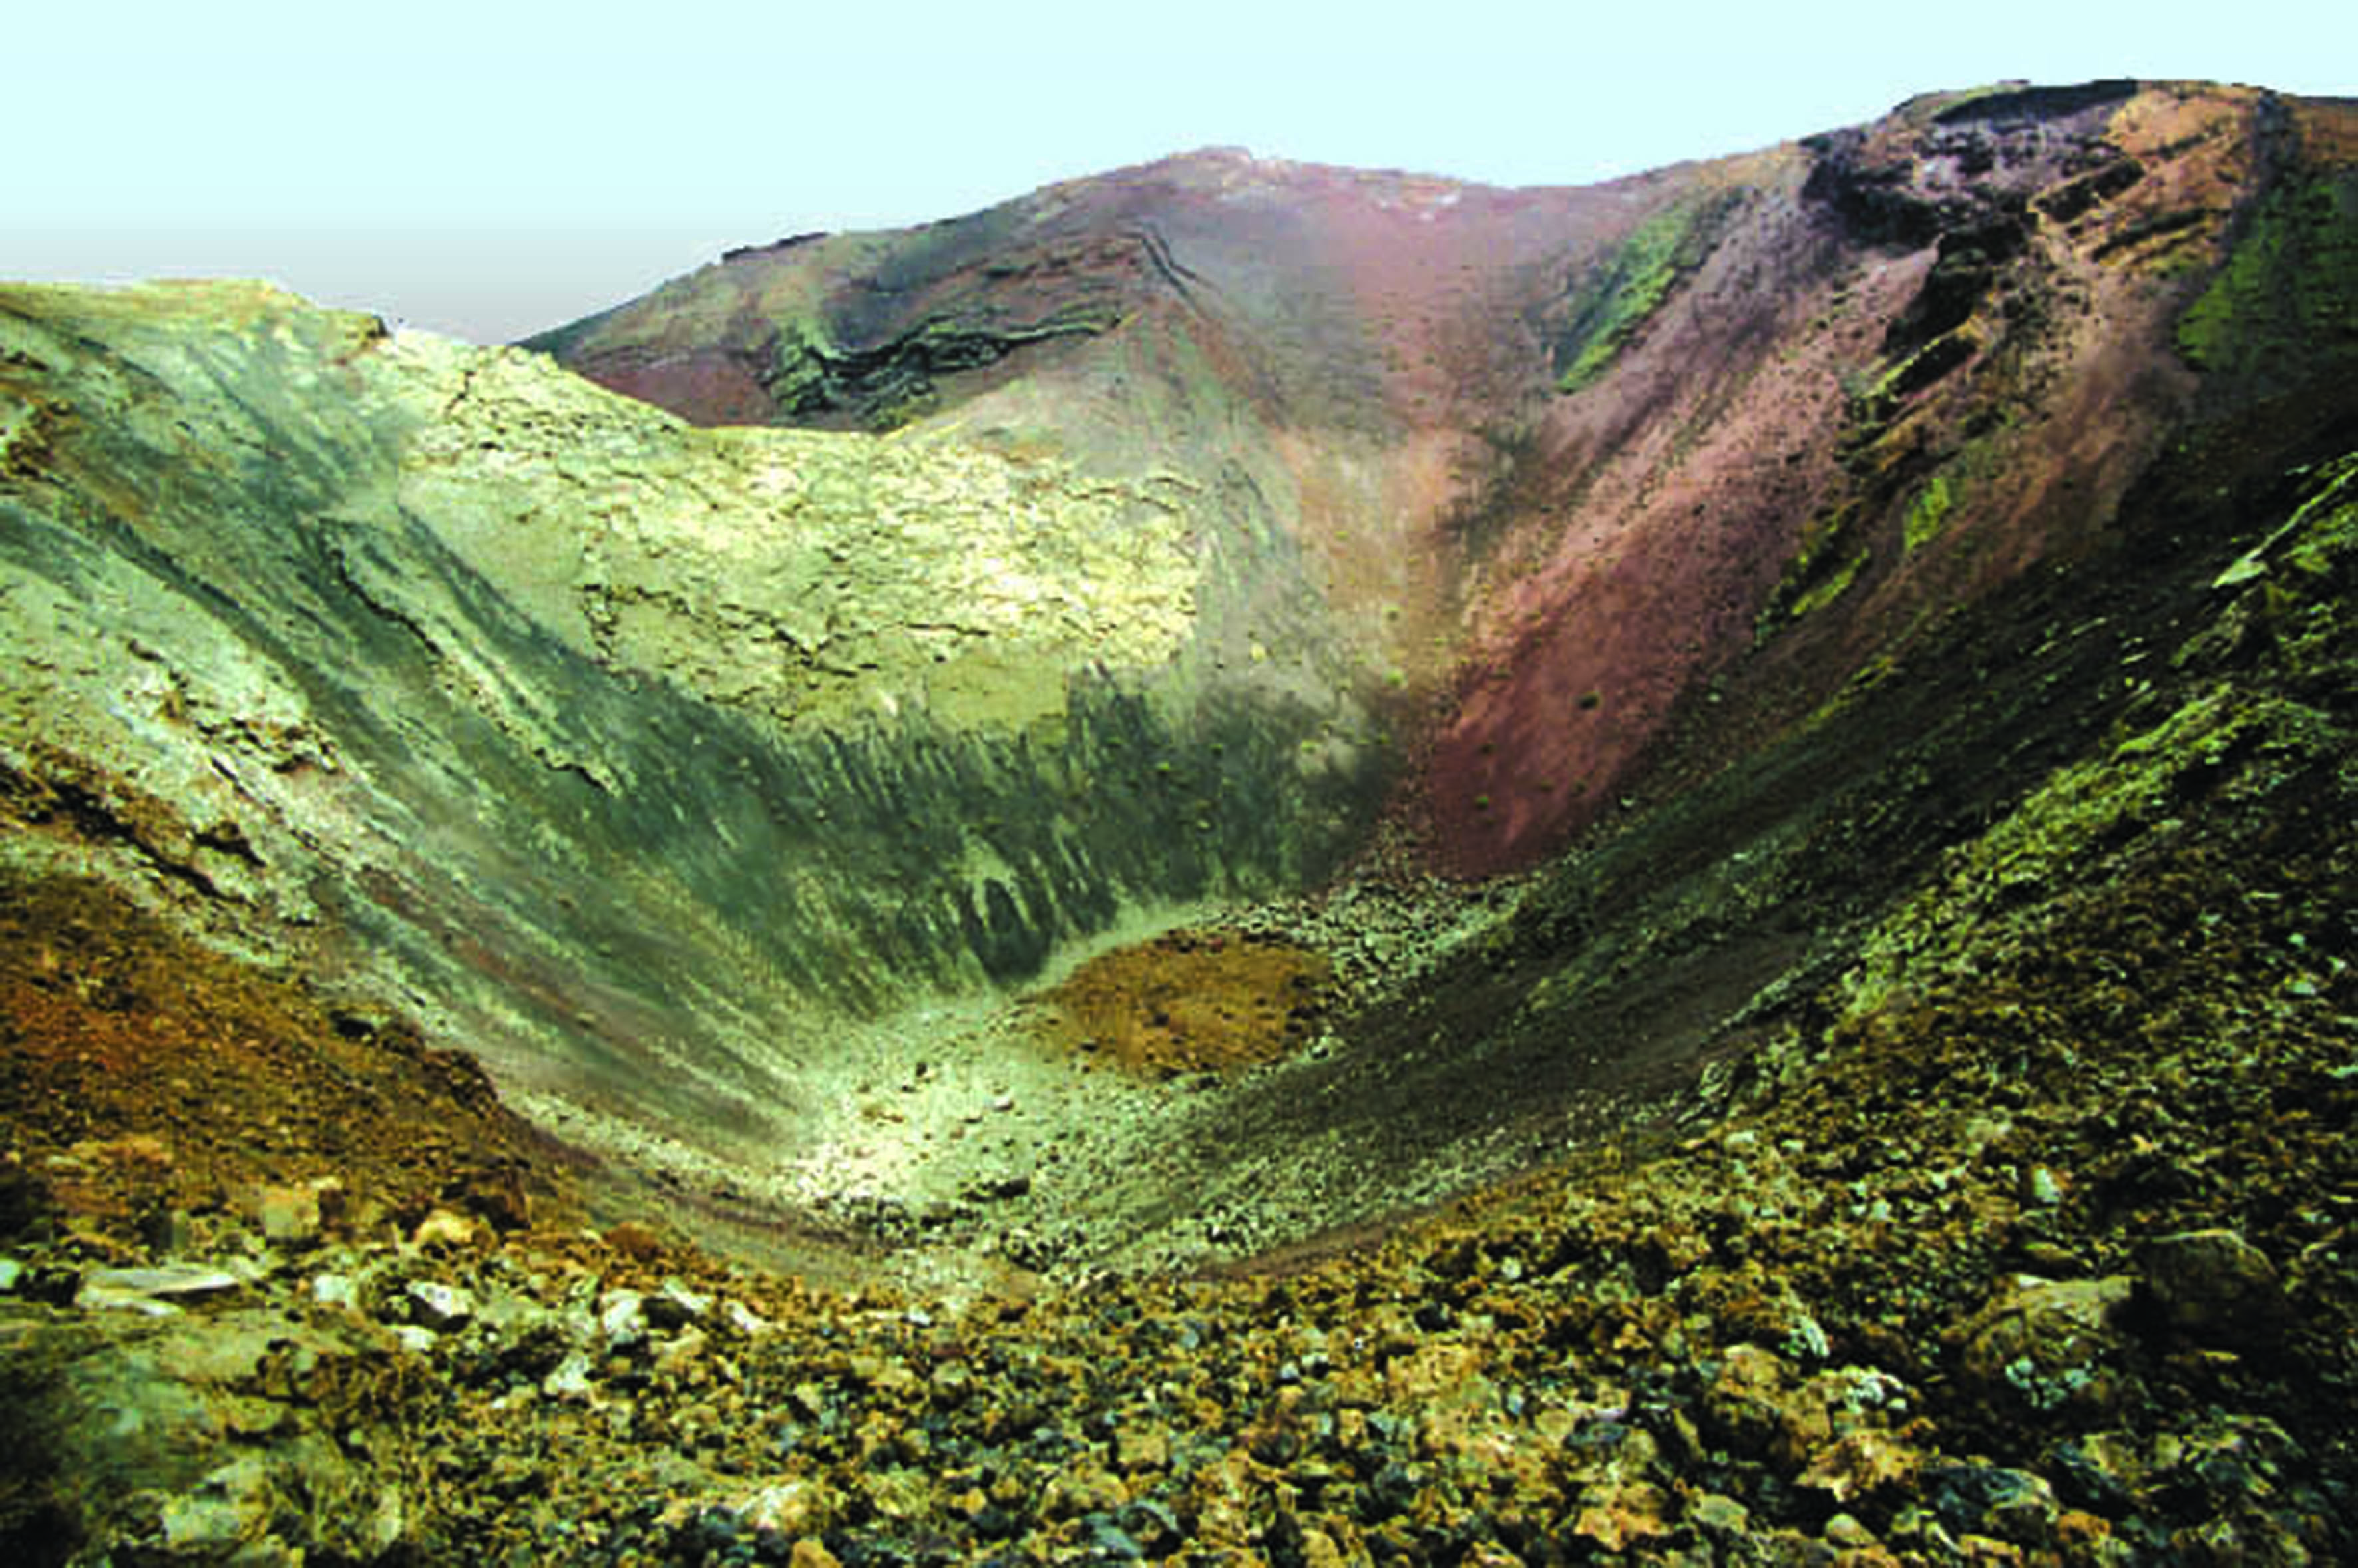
{"points": [[1191, 1002], [154, 1087]]}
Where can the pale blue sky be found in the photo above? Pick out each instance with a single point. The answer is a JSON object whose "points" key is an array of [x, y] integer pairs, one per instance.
{"points": [[487, 169]]}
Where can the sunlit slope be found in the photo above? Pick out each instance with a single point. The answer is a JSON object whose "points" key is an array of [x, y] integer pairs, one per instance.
{"points": [[643, 757]]}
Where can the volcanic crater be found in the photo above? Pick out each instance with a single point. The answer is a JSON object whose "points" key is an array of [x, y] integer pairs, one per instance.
{"points": [[1237, 863]]}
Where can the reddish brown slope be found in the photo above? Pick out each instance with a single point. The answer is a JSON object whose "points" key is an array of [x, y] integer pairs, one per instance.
{"points": [[1923, 359], [153, 1086]]}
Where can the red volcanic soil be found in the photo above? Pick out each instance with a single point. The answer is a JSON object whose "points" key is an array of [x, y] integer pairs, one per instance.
{"points": [[1646, 601], [722, 388], [151, 1084]]}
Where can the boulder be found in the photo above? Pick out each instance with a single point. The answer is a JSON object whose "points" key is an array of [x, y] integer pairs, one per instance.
{"points": [[2216, 1289], [2041, 1347]]}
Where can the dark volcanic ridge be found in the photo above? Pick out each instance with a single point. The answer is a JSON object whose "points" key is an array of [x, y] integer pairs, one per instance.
{"points": [[1239, 862]]}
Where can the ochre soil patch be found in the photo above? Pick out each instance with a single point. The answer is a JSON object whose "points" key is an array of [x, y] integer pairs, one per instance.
{"points": [[143, 1077], [1190, 1002]]}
